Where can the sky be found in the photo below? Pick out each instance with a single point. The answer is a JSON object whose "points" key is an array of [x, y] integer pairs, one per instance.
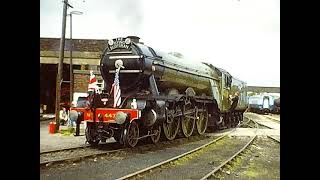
{"points": [[240, 36]]}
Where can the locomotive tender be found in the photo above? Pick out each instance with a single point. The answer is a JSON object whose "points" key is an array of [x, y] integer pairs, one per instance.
{"points": [[159, 95]]}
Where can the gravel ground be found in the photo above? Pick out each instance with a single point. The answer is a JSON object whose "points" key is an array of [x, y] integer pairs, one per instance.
{"points": [[277, 116], [56, 141], [260, 161], [248, 132], [121, 164], [196, 165]]}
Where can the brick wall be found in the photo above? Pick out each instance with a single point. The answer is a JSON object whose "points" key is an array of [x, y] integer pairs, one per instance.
{"points": [[81, 79], [82, 45]]}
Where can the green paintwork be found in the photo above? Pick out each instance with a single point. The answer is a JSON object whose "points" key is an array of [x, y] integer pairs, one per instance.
{"points": [[182, 73]]}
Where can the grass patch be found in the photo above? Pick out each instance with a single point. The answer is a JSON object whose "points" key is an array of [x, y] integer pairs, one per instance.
{"points": [[67, 132]]}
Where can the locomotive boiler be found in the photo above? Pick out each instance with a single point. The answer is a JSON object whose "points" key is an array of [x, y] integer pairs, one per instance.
{"points": [[149, 93]]}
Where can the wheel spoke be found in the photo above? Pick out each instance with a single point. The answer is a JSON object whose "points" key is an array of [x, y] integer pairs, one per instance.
{"points": [[157, 130], [133, 134], [170, 130], [202, 123], [187, 124]]}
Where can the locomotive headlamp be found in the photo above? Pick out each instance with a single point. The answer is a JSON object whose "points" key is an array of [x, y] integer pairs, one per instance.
{"points": [[120, 117], [118, 64], [127, 41], [110, 42]]}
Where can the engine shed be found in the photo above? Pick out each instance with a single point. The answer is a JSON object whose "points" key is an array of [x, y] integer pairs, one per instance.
{"points": [[86, 56]]}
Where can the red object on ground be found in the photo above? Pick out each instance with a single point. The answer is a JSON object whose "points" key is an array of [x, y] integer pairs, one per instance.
{"points": [[52, 127]]}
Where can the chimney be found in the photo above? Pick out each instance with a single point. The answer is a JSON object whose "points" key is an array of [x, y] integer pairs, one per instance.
{"points": [[134, 38]]}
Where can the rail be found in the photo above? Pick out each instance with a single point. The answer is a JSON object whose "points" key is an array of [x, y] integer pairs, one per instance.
{"points": [[275, 139], [77, 158], [99, 152], [174, 158], [64, 149], [228, 160]]}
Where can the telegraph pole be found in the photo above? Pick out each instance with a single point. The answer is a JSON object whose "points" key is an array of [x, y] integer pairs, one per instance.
{"points": [[60, 65], [71, 64], [71, 49]]}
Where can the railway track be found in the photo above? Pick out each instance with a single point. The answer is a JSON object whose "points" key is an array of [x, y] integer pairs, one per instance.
{"points": [[272, 118], [64, 149], [273, 138], [259, 124], [158, 165], [78, 158], [234, 155], [80, 153], [84, 152], [161, 164], [247, 123], [76, 154], [228, 160]]}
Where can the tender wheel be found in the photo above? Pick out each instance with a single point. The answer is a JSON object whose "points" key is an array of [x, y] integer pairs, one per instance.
{"points": [[91, 136], [171, 126], [202, 122], [132, 134], [155, 130], [187, 124]]}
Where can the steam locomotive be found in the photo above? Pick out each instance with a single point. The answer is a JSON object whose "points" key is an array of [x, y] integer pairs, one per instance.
{"points": [[152, 94]]}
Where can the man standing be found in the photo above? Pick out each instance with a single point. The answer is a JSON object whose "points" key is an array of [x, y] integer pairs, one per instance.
{"points": [[234, 100], [73, 116]]}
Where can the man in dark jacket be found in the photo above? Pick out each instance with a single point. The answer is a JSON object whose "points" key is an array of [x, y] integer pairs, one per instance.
{"points": [[234, 99]]}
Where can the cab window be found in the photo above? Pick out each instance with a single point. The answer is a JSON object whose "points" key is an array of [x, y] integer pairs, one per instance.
{"points": [[228, 81]]}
